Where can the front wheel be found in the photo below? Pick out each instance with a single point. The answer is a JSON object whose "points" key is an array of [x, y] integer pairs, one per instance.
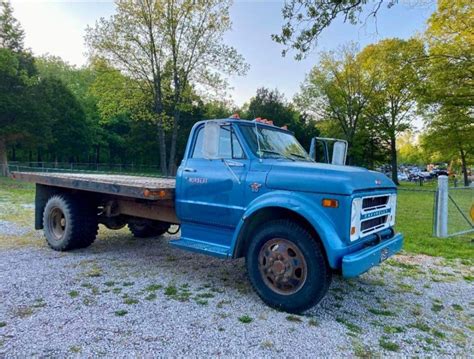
{"points": [[287, 266]]}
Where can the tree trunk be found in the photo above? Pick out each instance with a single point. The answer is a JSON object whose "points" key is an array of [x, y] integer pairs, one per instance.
{"points": [[464, 167], [97, 154], [393, 157], [162, 146], [13, 153], [3, 158], [174, 138], [38, 157]]}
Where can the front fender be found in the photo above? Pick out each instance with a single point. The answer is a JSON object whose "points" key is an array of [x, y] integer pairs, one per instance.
{"points": [[303, 206]]}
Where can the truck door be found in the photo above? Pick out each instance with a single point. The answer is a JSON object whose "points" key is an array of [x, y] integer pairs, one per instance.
{"points": [[211, 192]]}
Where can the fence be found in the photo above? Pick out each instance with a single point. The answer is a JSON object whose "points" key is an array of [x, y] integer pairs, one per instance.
{"points": [[454, 209], [137, 169]]}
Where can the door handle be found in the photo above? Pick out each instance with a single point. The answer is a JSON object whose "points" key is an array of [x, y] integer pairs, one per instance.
{"points": [[187, 169]]}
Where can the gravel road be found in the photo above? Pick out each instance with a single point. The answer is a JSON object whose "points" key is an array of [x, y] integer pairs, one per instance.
{"points": [[125, 297]]}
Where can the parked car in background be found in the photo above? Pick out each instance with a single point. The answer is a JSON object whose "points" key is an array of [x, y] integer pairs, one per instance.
{"points": [[402, 176]]}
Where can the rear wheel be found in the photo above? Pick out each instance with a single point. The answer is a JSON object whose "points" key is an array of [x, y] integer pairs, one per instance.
{"points": [[69, 223], [287, 266], [146, 229]]}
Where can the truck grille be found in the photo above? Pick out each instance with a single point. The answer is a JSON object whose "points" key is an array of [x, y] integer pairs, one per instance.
{"points": [[375, 214], [374, 202], [373, 224]]}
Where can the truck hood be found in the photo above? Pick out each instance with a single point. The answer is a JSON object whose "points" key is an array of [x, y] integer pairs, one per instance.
{"points": [[325, 178]]}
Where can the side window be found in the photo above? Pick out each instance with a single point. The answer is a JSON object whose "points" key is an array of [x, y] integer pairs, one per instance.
{"points": [[229, 145], [197, 151], [238, 152]]}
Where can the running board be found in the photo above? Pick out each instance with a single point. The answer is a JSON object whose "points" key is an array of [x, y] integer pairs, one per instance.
{"points": [[201, 247]]}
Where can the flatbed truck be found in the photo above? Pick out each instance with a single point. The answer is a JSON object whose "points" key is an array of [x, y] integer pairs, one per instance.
{"points": [[243, 189]]}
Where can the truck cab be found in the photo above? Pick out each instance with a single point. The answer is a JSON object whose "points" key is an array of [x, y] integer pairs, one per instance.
{"points": [[249, 189]]}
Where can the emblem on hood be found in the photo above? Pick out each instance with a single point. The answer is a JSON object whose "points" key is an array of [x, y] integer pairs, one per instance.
{"points": [[377, 181], [255, 186]]}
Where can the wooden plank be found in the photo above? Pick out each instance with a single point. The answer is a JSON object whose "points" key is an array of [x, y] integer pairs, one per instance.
{"points": [[150, 188]]}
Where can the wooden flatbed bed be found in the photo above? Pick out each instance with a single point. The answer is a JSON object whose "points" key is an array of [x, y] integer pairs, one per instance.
{"points": [[149, 188]]}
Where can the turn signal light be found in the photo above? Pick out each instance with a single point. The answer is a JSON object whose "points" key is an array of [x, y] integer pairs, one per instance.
{"points": [[332, 203], [353, 230]]}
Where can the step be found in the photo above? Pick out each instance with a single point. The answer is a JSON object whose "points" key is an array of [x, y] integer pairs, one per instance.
{"points": [[201, 247]]}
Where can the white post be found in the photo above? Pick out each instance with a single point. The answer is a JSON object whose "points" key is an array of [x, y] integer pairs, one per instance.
{"points": [[442, 208]]}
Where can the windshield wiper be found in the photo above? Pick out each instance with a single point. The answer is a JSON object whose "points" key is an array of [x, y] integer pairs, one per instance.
{"points": [[277, 153], [300, 156]]}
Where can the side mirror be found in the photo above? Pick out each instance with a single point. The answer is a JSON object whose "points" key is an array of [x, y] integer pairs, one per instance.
{"points": [[328, 150], [210, 144], [339, 152]]}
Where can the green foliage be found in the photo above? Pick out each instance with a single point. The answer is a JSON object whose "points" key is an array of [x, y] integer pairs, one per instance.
{"points": [[168, 49], [447, 91], [337, 90], [272, 105], [307, 19], [11, 33], [394, 67]]}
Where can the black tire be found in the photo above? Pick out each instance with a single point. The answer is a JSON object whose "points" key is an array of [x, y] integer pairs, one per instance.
{"points": [[69, 223], [317, 274], [147, 229]]}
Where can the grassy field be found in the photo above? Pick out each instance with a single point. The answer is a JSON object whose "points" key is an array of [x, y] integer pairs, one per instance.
{"points": [[415, 221], [414, 218]]}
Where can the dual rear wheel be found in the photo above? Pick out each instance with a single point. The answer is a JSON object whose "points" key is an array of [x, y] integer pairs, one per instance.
{"points": [[71, 222]]}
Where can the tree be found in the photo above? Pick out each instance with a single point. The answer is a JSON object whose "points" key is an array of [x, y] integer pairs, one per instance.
{"points": [[11, 33], [17, 75], [410, 149], [394, 66], [450, 40], [167, 46], [70, 132], [451, 133], [307, 19], [194, 33], [338, 89], [272, 105], [447, 93], [78, 82]]}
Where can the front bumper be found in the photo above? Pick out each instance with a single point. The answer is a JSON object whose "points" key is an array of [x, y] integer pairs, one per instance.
{"points": [[361, 261]]}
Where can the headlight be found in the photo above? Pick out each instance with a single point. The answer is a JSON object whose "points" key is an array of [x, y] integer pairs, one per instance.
{"points": [[355, 219], [393, 207]]}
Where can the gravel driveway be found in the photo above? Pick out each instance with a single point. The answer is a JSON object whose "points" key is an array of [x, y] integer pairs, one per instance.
{"points": [[125, 297]]}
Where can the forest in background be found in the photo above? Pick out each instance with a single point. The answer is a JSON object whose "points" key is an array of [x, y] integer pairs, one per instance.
{"points": [[157, 67]]}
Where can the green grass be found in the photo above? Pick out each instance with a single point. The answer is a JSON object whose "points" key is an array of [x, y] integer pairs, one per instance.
{"points": [[294, 318], [120, 313], [74, 294], [245, 319], [388, 345], [415, 221]]}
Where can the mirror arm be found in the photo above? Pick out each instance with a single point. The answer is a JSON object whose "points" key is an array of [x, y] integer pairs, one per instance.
{"points": [[231, 171]]}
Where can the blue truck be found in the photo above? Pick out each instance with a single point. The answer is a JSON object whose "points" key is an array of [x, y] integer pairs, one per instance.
{"points": [[243, 189]]}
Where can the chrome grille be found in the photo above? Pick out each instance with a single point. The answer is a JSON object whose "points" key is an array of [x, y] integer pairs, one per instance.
{"points": [[372, 224], [374, 202], [375, 214]]}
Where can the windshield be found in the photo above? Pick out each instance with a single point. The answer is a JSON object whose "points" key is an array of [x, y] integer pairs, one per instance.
{"points": [[273, 143]]}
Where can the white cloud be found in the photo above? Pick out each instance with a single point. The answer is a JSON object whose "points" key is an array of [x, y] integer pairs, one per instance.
{"points": [[55, 28]]}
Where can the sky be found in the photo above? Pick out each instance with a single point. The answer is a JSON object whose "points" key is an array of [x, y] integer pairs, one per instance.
{"points": [[58, 28]]}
